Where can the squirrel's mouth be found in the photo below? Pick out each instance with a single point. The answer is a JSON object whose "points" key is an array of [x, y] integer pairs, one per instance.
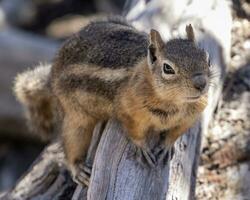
{"points": [[194, 98]]}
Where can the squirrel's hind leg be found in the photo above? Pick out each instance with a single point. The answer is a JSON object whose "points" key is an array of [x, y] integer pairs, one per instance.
{"points": [[77, 133]]}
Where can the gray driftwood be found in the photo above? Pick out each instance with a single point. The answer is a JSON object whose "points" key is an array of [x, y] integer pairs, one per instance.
{"points": [[116, 173]]}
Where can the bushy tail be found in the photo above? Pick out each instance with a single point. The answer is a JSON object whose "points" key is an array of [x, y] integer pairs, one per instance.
{"points": [[32, 90]]}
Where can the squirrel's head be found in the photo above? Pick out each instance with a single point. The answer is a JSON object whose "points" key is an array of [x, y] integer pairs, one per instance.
{"points": [[180, 69]]}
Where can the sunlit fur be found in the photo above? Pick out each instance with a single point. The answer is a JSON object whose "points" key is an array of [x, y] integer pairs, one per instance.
{"points": [[32, 90], [107, 70], [186, 60]]}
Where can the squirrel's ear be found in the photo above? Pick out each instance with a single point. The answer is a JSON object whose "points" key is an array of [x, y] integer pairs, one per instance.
{"points": [[155, 39], [190, 32], [151, 54]]}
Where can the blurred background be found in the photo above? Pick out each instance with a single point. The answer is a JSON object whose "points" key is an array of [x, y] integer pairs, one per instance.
{"points": [[32, 30]]}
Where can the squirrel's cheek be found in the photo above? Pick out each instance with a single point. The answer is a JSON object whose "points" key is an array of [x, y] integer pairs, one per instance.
{"points": [[203, 103]]}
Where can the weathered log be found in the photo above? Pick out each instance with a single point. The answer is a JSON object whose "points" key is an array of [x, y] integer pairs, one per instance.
{"points": [[18, 51], [48, 178], [116, 173]]}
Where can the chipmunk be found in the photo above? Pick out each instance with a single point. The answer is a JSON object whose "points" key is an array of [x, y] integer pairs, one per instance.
{"points": [[109, 69]]}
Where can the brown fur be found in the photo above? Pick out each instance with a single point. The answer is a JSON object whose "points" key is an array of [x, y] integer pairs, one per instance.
{"points": [[32, 90], [136, 93], [110, 69]]}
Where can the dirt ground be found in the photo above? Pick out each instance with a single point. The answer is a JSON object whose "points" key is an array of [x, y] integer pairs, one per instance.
{"points": [[224, 171]]}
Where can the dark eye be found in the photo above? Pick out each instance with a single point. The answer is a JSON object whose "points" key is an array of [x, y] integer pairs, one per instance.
{"points": [[167, 69]]}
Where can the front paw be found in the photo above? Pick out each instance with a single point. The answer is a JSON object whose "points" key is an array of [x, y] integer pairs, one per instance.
{"points": [[145, 156], [143, 153], [152, 156], [80, 173], [163, 153]]}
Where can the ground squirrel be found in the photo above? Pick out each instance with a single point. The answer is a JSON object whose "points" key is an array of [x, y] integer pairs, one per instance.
{"points": [[111, 69]]}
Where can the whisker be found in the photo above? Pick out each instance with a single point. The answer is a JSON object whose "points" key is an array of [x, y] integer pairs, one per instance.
{"points": [[211, 81], [214, 77], [212, 85], [214, 73]]}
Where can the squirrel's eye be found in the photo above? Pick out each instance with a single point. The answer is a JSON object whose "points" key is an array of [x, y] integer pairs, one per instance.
{"points": [[167, 69]]}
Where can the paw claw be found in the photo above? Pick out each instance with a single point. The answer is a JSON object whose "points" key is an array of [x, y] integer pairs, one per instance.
{"points": [[162, 155], [81, 181], [145, 156], [85, 168], [81, 174], [165, 154], [149, 157]]}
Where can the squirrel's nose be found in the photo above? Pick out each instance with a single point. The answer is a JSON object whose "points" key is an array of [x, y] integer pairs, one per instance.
{"points": [[199, 81]]}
